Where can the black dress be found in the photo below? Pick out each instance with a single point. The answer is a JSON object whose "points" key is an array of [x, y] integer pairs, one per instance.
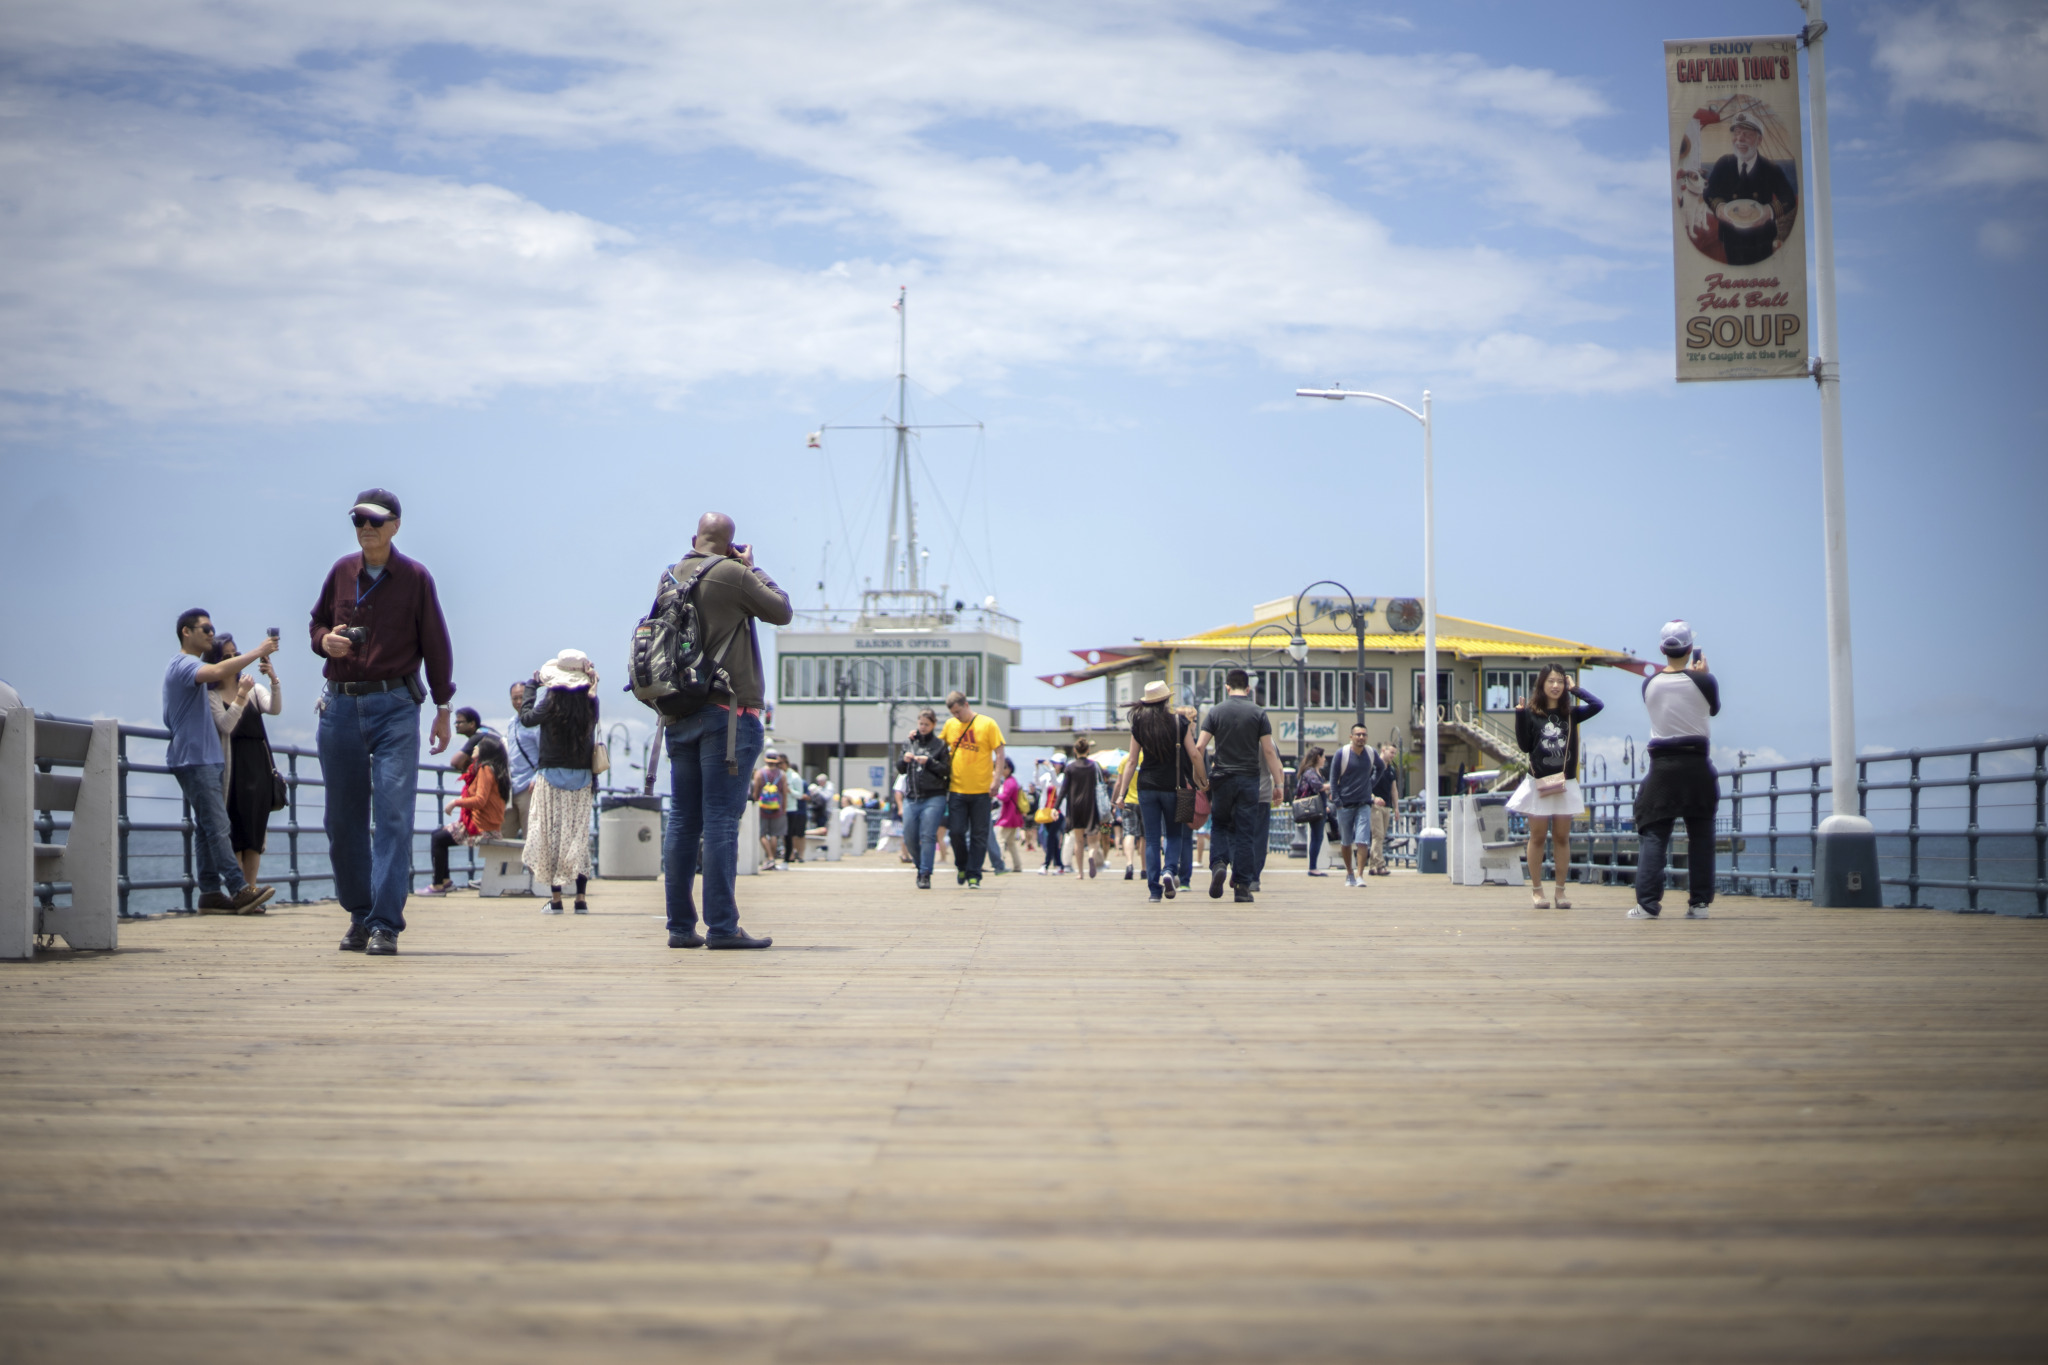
{"points": [[249, 790]]}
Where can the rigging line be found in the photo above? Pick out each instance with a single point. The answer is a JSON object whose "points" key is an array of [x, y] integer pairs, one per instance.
{"points": [[867, 524], [918, 449], [838, 502], [943, 399], [988, 540]]}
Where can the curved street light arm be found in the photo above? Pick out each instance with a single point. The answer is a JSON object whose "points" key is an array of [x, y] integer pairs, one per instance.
{"points": [[1341, 394]]}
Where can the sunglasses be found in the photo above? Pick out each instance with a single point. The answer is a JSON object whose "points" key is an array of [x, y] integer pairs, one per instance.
{"points": [[203, 630], [361, 521]]}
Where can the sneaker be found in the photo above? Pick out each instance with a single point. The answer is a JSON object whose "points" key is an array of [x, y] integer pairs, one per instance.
{"points": [[1094, 863], [552, 908], [974, 883], [1166, 885], [1350, 879], [383, 943], [924, 882], [1254, 885], [1152, 899], [1130, 872], [959, 879], [1243, 896], [1043, 870], [1217, 876], [1695, 912], [582, 906], [435, 890], [1643, 912]]}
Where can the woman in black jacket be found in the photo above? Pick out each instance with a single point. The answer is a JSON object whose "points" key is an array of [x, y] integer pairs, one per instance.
{"points": [[564, 709], [927, 765], [1547, 728]]}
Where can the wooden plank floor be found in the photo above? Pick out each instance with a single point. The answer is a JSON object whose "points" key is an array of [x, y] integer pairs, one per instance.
{"points": [[1042, 1122]]}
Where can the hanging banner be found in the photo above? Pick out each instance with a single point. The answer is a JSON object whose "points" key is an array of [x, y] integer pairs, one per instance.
{"points": [[1736, 201]]}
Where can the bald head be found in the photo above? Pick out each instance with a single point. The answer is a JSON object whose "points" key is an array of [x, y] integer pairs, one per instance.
{"points": [[714, 533]]}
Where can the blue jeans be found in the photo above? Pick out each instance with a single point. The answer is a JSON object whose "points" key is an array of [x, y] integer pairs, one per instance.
{"points": [[1235, 808], [1051, 835], [211, 851], [1653, 845], [706, 802], [1315, 842], [922, 816], [1165, 841], [370, 760], [1354, 824], [967, 815]]}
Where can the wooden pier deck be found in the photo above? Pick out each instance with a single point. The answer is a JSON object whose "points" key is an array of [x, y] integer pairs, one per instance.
{"points": [[1042, 1122]]}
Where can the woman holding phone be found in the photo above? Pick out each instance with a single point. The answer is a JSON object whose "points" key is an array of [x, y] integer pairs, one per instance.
{"points": [[1547, 725]]}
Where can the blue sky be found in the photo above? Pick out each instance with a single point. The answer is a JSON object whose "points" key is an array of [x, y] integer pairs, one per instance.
{"points": [[566, 276]]}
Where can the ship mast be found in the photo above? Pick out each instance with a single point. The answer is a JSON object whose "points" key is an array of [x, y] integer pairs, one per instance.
{"points": [[901, 503]]}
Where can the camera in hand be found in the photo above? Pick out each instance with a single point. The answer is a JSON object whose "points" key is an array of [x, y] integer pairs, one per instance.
{"points": [[357, 636]]}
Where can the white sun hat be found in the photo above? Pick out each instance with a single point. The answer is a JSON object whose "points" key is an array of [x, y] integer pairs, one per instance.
{"points": [[570, 668]]}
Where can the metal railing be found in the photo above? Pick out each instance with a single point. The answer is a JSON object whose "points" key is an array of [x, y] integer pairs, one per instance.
{"points": [[1081, 717], [1943, 822], [147, 789]]}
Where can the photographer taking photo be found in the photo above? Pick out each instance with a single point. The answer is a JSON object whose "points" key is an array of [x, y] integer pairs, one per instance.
{"points": [[1682, 784]]}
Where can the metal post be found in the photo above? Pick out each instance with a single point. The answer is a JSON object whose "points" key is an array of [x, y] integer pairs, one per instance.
{"points": [[1300, 714], [1358, 679], [122, 767], [1845, 845], [291, 807], [1433, 826]]}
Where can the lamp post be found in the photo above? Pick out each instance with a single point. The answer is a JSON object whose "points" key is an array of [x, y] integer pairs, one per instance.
{"points": [[842, 683], [1432, 832], [1357, 619]]}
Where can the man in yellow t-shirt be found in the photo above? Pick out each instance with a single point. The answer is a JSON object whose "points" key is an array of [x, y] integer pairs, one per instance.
{"points": [[977, 745]]}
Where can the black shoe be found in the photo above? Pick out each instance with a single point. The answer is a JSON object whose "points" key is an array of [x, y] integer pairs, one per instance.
{"points": [[1217, 876], [383, 943], [924, 883], [690, 939], [356, 939], [1254, 886], [738, 938], [1243, 896], [959, 879], [1130, 872]]}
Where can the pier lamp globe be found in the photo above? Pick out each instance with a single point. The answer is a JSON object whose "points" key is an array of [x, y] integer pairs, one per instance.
{"points": [[1297, 648]]}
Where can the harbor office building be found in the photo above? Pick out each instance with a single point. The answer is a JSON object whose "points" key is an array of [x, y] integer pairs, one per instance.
{"points": [[877, 668], [1483, 670]]}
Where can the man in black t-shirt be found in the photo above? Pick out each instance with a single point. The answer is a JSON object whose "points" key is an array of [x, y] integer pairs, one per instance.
{"points": [[1243, 737]]}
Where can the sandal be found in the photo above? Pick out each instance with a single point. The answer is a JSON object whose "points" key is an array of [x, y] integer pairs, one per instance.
{"points": [[1560, 901], [1536, 901]]}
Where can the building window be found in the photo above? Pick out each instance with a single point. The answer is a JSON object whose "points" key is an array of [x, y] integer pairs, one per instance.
{"points": [[1506, 687], [998, 686], [1378, 689], [1444, 694]]}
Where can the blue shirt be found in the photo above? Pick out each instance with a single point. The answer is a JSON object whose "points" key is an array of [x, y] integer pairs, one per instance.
{"points": [[194, 738], [567, 779], [1352, 783], [524, 743]]}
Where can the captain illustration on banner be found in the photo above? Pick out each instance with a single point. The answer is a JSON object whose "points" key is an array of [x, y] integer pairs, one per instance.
{"points": [[1740, 251]]}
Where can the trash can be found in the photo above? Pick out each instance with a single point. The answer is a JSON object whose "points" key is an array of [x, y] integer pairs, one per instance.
{"points": [[1429, 851], [629, 838]]}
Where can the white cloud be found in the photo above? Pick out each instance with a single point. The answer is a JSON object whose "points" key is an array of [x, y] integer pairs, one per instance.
{"points": [[1161, 195], [1989, 58]]}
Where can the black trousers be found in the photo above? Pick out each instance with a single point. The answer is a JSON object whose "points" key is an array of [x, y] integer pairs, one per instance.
{"points": [[1236, 826], [440, 843], [1654, 846], [967, 816]]}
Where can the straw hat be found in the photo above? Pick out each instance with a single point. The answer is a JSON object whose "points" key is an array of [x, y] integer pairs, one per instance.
{"points": [[571, 668], [1156, 691]]}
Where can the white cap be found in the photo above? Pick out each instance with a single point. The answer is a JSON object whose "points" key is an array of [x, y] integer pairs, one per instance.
{"points": [[1677, 638]]}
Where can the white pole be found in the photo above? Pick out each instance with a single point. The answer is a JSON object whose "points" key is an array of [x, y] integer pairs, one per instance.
{"points": [[1834, 509], [1433, 825]]}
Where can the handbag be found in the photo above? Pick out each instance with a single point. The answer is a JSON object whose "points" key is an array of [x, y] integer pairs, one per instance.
{"points": [[1553, 785], [1308, 809], [280, 794], [600, 760], [1184, 796]]}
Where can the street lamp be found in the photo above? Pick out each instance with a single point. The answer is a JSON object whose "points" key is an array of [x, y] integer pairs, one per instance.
{"points": [[1357, 619], [1433, 827]]}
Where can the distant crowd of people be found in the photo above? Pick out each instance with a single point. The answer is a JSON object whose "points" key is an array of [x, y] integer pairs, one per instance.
{"points": [[1191, 781]]}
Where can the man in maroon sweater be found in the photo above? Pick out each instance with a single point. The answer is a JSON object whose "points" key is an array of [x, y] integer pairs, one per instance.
{"points": [[376, 622]]}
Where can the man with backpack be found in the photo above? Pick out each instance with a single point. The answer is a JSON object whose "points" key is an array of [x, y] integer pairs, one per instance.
{"points": [[691, 665]]}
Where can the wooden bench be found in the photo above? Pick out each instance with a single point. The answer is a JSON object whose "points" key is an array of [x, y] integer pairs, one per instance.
{"points": [[88, 864]]}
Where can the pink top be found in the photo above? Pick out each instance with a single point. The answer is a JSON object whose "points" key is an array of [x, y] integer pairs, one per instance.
{"points": [[1006, 796]]}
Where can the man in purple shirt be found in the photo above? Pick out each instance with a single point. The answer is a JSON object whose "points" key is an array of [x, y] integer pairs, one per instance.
{"points": [[377, 621]]}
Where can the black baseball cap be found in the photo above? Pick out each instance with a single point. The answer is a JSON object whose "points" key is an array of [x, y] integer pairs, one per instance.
{"points": [[377, 502]]}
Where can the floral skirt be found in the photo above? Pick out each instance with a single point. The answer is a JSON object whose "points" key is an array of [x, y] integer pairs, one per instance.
{"points": [[558, 834]]}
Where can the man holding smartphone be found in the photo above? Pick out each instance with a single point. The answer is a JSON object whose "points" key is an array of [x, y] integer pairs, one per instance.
{"points": [[377, 622], [708, 794], [1682, 784]]}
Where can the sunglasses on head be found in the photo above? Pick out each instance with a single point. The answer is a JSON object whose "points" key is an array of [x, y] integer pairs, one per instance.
{"points": [[361, 520]]}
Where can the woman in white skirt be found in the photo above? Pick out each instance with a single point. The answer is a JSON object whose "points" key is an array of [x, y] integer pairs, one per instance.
{"points": [[1547, 727], [562, 705]]}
